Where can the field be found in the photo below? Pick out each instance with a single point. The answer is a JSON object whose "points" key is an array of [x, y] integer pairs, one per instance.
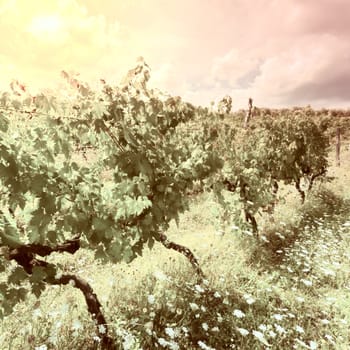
{"points": [[196, 198], [287, 290], [130, 219]]}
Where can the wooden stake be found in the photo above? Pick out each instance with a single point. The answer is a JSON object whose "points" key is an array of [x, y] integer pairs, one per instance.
{"points": [[249, 113], [337, 147]]}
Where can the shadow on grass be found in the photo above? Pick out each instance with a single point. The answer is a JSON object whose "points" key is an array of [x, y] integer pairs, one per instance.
{"points": [[174, 313], [323, 208]]}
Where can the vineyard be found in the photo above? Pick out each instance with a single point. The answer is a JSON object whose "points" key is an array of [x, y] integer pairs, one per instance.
{"points": [[130, 219]]}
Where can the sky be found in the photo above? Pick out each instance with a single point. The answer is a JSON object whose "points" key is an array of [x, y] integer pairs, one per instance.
{"points": [[281, 53]]}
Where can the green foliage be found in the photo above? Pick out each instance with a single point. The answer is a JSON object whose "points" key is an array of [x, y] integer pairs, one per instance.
{"points": [[295, 145], [225, 105], [108, 170], [115, 202], [155, 299], [289, 148]]}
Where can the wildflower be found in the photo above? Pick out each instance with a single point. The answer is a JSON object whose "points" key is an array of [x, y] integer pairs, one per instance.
{"points": [[215, 329], [204, 346], [299, 329], [148, 327], [76, 325], [178, 311], [205, 326], [129, 342], [198, 288], [325, 321], [300, 342], [102, 328], [329, 338], [96, 338], [162, 342], [217, 295], [264, 238], [151, 299], [328, 272], [249, 299], [173, 346], [306, 282], [238, 313], [72, 282], [262, 327], [58, 274], [279, 329], [194, 306], [272, 334], [278, 317], [313, 345], [219, 318], [260, 337], [170, 332], [41, 347], [300, 299], [243, 331]]}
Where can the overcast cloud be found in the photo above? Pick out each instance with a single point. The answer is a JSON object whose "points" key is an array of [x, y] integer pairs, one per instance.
{"points": [[280, 52]]}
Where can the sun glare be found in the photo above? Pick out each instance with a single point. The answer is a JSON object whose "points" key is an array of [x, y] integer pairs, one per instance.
{"points": [[43, 25]]}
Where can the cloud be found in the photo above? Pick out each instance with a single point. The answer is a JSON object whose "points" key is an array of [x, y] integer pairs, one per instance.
{"points": [[322, 16], [280, 52], [315, 60], [305, 62], [43, 40], [236, 68]]}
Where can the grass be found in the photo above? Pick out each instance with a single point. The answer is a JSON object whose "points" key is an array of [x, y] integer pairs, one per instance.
{"points": [[287, 290]]}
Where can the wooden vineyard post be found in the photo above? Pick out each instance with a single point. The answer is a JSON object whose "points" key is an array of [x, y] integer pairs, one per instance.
{"points": [[337, 148], [249, 113]]}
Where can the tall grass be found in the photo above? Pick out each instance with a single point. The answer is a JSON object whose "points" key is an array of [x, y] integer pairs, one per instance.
{"points": [[286, 290]]}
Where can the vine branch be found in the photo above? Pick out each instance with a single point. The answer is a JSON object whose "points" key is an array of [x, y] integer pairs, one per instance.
{"points": [[184, 251], [315, 176], [69, 246], [25, 256]]}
